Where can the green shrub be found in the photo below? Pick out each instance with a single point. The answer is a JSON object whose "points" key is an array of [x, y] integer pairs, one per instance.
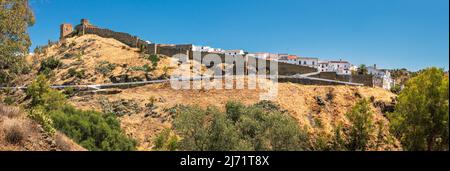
{"points": [[154, 59], [361, 118], [48, 65], [166, 141], [77, 74], [259, 127], [420, 119], [396, 89], [37, 89], [40, 115], [69, 91], [9, 100], [105, 68], [93, 130]]}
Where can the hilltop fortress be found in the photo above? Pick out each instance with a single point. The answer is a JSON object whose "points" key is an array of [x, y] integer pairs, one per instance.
{"points": [[284, 69]]}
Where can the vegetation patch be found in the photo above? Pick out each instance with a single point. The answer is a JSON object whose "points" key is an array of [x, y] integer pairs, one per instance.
{"points": [[92, 130], [105, 68]]}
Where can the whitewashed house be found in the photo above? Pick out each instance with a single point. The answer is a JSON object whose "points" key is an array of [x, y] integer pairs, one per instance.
{"points": [[340, 67], [383, 77], [286, 58], [234, 52], [307, 61], [324, 66], [209, 49]]}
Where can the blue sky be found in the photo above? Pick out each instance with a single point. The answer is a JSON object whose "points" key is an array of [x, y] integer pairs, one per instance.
{"points": [[411, 34]]}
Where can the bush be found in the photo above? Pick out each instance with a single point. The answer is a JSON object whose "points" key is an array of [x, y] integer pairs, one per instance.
{"points": [[77, 74], [105, 68], [41, 95], [48, 65], [37, 89], [39, 115], [396, 89], [154, 59], [262, 126], [14, 134], [92, 130], [420, 119], [166, 141], [361, 119], [69, 91]]}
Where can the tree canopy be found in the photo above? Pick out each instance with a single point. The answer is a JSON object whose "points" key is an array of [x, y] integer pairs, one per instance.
{"points": [[15, 18], [420, 120]]}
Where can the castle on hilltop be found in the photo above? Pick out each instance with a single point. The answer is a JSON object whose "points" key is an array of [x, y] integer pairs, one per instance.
{"points": [[67, 29], [287, 69]]}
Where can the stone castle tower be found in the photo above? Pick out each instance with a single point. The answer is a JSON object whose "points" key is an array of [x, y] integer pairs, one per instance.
{"points": [[65, 30]]}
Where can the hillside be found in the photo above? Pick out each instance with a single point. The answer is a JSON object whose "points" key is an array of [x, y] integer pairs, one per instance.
{"points": [[91, 59], [19, 133], [143, 111]]}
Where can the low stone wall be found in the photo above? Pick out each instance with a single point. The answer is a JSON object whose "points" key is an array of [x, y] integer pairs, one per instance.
{"points": [[367, 80], [307, 81]]}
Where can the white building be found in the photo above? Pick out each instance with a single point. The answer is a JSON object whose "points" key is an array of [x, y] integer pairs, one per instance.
{"points": [[340, 67], [286, 58], [307, 61], [209, 49], [383, 77], [234, 52], [263, 55]]}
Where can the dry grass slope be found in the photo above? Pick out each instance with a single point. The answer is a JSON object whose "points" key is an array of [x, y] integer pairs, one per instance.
{"points": [[19, 133]]}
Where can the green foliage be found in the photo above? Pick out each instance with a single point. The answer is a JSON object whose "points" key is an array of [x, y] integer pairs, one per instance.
{"points": [[362, 70], [234, 110], [154, 59], [92, 130], [37, 89], [259, 127], [361, 118], [15, 18], [396, 89], [69, 91], [420, 120], [77, 74], [48, 65], [166, 141], [9, 100], [105, 68], [39, 115]]}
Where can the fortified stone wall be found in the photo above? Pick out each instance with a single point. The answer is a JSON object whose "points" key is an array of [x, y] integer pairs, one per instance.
{"points": [[171, 50]]}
